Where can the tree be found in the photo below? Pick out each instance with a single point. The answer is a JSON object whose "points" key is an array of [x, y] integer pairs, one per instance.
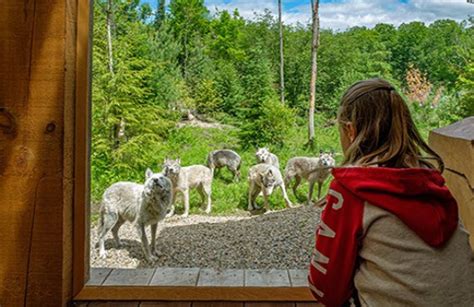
{"points": [[160, 13], [282, 59], [314, 69]]}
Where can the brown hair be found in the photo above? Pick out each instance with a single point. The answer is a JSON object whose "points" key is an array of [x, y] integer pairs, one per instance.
{"points": [[385, 132]]}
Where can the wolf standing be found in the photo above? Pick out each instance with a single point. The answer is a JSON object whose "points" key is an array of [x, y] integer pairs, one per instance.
{"points": [[142, 204], [186, 178]]}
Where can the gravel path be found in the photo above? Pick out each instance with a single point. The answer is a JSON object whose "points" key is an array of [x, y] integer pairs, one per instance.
{"points": [[281, 239]]}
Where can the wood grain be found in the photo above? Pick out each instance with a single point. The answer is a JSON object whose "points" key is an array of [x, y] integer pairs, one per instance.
{"points": [[36, 93]]}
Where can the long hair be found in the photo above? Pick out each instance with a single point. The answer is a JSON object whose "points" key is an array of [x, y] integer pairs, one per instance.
{"points": [[385, 132]]}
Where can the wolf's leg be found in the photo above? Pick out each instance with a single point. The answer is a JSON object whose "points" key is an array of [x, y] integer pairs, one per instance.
{"points": [[115, 231], [296, 185], [285, 196], [173, 200], [207, 189], [186, 203], [146, 249], [319, 190], [153, 228], [310, 192], [108, 220], [265, 200], [253, 192]]}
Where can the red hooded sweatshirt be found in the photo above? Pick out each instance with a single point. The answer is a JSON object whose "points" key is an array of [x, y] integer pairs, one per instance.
{"points": [[416, 197]]}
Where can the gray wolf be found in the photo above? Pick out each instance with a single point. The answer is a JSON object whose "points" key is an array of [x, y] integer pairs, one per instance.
{"points": [[265, 178], [264, 155], [142, 204], [186, 178], [312, 169], [224, 158]]}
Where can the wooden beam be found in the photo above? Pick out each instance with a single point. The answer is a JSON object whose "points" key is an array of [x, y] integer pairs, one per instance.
{"points": [[36, 99]]}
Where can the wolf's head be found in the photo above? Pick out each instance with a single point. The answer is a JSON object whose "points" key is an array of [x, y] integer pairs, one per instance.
{"points": [[326, 159], [156, 182], [268, 181], [171, 167], [262, 154]]}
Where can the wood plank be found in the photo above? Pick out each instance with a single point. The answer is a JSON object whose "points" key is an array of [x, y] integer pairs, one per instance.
{"points": [[129, 277], [81, 150], [218, 304], [173, 293], [165, 304], [98, 275], [298, 278], [175, 277], [269, 304], [114, 304], [267, 278], [221, 278]]}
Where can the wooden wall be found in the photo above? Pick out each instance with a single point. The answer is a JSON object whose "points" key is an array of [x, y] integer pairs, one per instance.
{"points": [[455, 144], [37, 71]]}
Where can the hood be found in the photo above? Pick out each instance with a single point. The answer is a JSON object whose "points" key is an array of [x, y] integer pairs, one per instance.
{"points": [[416, 196]]}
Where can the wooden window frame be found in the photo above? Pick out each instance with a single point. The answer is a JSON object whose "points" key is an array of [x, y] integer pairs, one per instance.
{"points": [[81, 291]]}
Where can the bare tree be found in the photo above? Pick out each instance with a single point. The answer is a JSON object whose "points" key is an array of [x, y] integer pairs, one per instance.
{"points": [[314, 69], [118, 130], [109, 36], [282, 58]]}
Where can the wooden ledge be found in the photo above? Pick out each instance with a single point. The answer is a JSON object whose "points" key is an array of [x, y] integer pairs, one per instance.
{"points": [[194, 284]]}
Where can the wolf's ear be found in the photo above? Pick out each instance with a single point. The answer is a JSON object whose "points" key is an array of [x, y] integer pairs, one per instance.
{"points": [[166, 160], [332, 153], [148, 173], [178, 161], [321, 152]]}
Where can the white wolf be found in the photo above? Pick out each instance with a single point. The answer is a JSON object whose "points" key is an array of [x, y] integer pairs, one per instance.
{"points": [[311, 169], [264, 155], [142, 204], [186, 178], [265, 178]]}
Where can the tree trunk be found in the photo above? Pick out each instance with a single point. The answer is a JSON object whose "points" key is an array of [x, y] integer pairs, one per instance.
{"points": [[118, 128], [109, 37], [282, 59], [160, 13], [314, 70]]}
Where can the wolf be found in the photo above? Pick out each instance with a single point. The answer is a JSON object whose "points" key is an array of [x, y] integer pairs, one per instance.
{"points": [[225, 157], [185, 178], [141, 204], [264, 155], [264, 178], [311, 169]]}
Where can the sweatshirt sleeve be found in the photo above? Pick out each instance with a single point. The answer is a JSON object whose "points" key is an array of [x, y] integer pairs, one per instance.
{"points": [[333, 261]]}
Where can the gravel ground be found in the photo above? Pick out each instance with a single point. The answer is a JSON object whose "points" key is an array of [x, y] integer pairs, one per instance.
{"points": [[280, 239]]}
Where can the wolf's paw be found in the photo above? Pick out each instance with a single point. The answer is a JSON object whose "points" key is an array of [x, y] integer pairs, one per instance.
{"points": [[103, 254], [186, 214], [151, 258]]}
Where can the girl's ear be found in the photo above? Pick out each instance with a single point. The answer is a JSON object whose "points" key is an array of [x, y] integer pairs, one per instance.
{"points": [[350, 131]]}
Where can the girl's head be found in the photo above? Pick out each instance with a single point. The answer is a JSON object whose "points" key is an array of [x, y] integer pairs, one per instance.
{"points": [[376, 128]]}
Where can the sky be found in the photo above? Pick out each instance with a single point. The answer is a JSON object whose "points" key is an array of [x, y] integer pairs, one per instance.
{"points": [[341, 14]]}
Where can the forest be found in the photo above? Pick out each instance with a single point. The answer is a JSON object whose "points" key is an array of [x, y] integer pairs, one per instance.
{"points": [[152, 68]]}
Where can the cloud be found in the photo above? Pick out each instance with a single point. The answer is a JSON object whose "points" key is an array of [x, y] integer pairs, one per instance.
{"points": [[349, 13]]}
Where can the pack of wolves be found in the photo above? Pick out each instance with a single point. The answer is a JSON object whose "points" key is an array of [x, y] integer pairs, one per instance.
{"points": [[148, 203]]}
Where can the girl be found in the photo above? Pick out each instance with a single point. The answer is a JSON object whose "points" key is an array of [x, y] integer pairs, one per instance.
{"points": [[389, 235]]}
